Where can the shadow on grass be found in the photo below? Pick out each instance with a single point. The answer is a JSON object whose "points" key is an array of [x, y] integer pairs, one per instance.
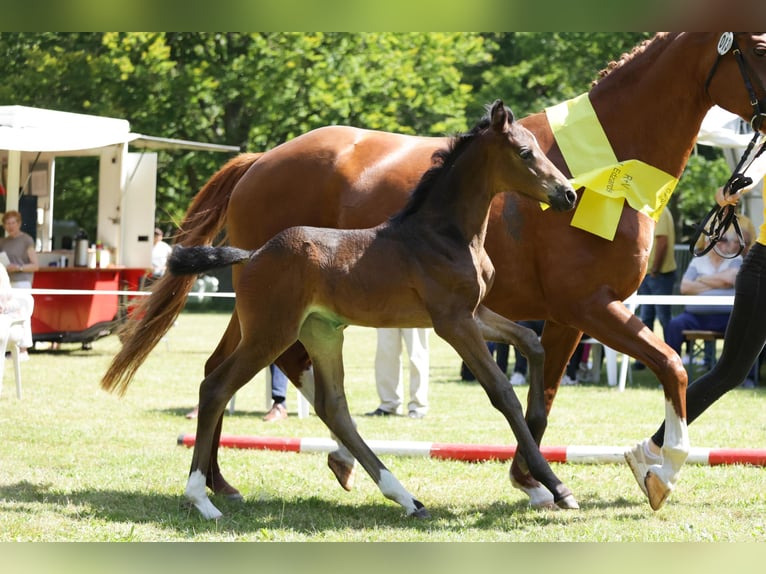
{"points": [[303, 515]]}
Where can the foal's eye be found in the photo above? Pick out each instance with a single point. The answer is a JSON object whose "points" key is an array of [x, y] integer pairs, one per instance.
{"points": [[526, 153]]}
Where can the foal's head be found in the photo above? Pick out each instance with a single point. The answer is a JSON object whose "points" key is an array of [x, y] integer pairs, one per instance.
{"points": [[518, 163]]}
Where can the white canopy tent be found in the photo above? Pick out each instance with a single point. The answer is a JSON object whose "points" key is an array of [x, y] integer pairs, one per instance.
{"points": [[31, 139]]}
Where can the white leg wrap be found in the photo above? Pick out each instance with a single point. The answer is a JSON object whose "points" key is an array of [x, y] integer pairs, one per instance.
{"points": [[197, 495], [675, 449]]}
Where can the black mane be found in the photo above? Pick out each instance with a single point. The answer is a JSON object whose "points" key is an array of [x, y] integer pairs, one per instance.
{"points": [[650, 45], [443, 159]]}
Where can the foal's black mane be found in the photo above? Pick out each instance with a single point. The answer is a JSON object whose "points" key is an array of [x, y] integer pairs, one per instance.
{"points": [[443, 159]]}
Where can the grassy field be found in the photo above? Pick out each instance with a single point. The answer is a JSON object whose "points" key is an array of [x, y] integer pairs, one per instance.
{"points": [[79, 464]]}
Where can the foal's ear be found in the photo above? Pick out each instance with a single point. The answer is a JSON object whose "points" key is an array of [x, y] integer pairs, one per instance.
{"points": [[500, 115]]}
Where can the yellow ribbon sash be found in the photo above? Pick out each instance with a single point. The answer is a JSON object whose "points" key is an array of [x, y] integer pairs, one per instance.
{"points": [[608, 183]]}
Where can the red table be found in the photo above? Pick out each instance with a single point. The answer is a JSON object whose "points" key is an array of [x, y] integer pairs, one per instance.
{"points": [[81, 318]]}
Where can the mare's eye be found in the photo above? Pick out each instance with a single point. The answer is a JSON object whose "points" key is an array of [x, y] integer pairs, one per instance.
{"points": [[526, 153]]}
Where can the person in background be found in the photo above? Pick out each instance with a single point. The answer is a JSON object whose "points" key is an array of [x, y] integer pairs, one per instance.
{"points": [[160, 253], [519, 375], [388, 371], [710, 274], [279, 381], [661, 274], [20, 249], [500, 351], [278, 410]]}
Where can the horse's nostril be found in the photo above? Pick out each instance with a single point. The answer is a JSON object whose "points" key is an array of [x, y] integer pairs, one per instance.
{"points": [[571, 195]]}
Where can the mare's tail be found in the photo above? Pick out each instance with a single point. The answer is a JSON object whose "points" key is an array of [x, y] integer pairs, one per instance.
{"points": [[194, 260], [155, 314]]}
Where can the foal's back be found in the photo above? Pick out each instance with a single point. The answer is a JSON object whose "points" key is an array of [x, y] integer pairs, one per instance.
{"points": [[369, 277]]}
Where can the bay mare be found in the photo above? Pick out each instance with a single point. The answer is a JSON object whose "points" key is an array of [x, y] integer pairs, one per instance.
{"points": [[425, 267], [650, 104]]}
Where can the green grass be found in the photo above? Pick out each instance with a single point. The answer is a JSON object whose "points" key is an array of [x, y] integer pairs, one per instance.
{"points": [[78, 464]]}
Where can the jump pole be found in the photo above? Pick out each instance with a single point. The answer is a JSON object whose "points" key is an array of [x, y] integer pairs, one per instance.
{"points": [[480, 452]]}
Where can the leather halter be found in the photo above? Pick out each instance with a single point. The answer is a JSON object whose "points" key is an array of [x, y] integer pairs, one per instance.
{"points": [[720, 217]]}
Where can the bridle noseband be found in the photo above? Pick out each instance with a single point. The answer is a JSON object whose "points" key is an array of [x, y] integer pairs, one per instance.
{"points": [[718, 219]]}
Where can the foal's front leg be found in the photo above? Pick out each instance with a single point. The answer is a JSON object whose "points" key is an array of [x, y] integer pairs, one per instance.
{"points": [[466, 338], [497, 328]]}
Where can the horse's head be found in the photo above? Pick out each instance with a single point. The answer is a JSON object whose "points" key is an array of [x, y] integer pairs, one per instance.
{"points": [[737, 77], [523, 166]]}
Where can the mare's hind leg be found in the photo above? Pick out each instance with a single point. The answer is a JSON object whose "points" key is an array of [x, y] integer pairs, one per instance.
{"points": [[229, 341], [324, 342], [465, 336], [215, 392]]}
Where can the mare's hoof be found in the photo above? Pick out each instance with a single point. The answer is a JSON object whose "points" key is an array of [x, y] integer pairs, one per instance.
{"points": [[343, 472], [226, 490], [568, 503], [656, 490]]}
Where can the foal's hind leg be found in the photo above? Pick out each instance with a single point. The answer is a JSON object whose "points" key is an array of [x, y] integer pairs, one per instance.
{"points": [[465, 336], [324, 342], [215, 392], [297, 366]]}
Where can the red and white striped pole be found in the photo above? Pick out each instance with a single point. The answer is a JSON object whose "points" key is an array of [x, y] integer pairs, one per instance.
{"points": [[479, 452]]}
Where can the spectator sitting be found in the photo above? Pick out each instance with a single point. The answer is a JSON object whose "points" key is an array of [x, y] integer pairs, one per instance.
{"points": [[710, 274]]}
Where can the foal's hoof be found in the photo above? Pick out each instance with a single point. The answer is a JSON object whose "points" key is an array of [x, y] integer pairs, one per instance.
{"points": [[420, 511], [656, 490], [568, 503], [539, 496], [342, 471]]}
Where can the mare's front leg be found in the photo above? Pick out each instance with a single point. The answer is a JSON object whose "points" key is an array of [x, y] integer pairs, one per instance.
{"points": [[324, 343], [612, 323], [215, 392], [465, 336]]}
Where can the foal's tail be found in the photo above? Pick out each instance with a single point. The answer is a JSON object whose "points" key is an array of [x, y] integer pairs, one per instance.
{"points": [[155, 314], [194, 260]]}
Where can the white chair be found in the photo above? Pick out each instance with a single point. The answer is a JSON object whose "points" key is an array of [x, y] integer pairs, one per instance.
{"points": [[611, 364], [12, 336]]}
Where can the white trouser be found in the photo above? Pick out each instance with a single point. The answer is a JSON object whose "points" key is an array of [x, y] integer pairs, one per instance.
{"points": [[388, 368]]}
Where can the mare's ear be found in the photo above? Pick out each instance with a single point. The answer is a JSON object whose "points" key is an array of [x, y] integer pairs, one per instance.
{"points": [[500, 115]]}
